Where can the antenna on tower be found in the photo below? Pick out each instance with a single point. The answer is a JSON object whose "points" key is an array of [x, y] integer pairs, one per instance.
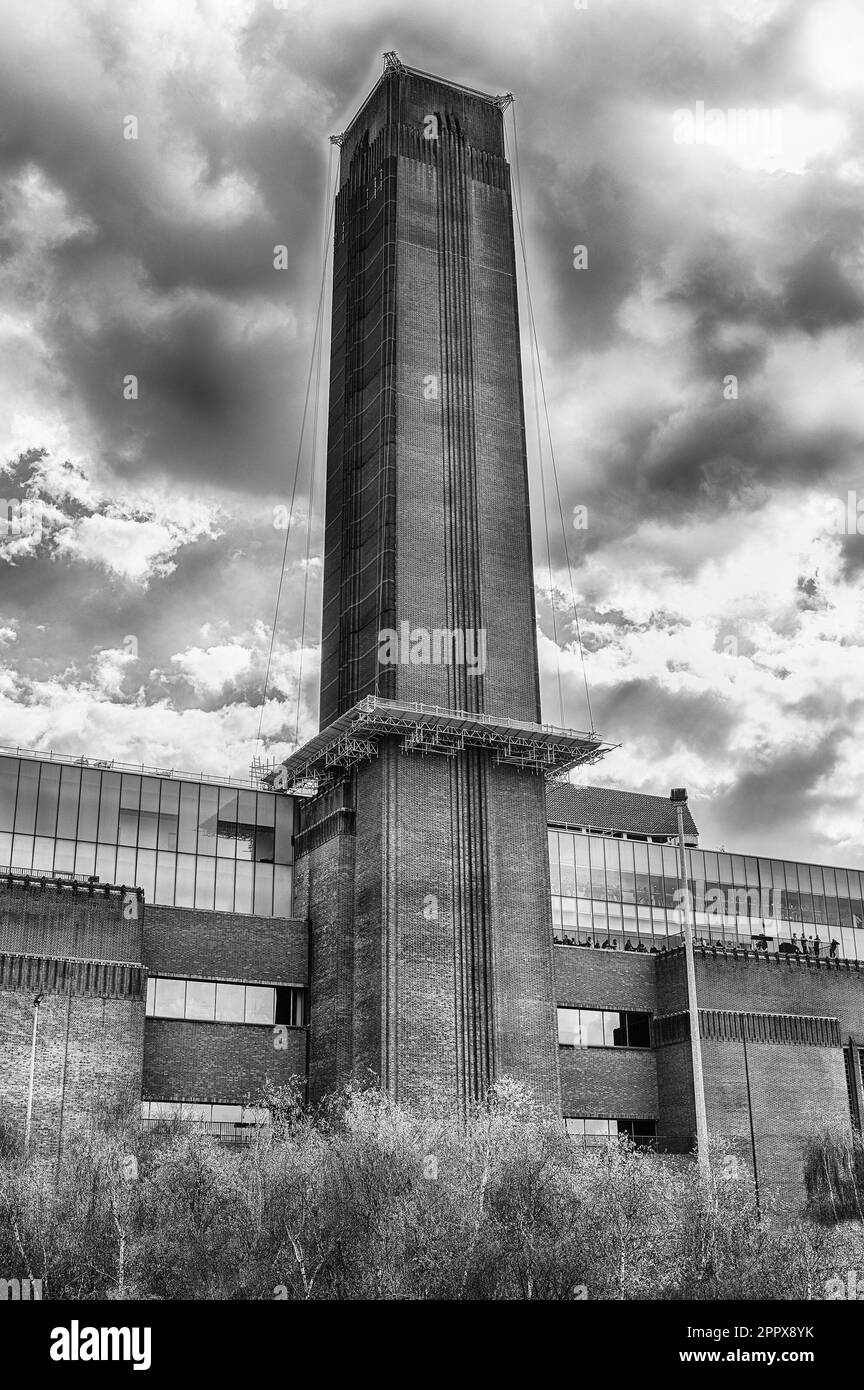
{"points": [[392, 63]]}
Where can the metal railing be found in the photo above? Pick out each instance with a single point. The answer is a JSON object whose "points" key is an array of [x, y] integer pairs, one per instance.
{"points": [[48, 755]]}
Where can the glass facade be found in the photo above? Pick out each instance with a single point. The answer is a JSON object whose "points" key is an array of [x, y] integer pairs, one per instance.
{"points": [[185, 843], [622, 893]]}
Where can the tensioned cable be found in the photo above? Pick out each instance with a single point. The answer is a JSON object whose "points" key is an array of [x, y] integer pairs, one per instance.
{"points": [[315, 355], [535, 357]]}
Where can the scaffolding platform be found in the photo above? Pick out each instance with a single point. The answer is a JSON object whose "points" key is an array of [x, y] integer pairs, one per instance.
{"points": [[354, 738]]}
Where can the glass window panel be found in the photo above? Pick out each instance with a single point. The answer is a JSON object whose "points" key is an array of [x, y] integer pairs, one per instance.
{"points": [[208, 817], [569, 1030], [592, 1028], [184, 887], [568, 865], [130, 791], [196, 1110], [670, 861], [284, 829], [151, 996], [556, 912], [751, 871], [145, 873], [8, 791], [229, 1003], [88, 808], [48, 801], [598, 868], [227, 1114], [148, 819], [205, 881], [855, 898], [282, 891], [85, 858], [554, 861], [43, 854], [724, 868], [265, 809], [22, 852], [638, 1030], [628, 873], [243, 887], [738, 875], [597, 1127], [148, 828], [613, 871], [106, 856], [201, 999], [263, 881], [260, 1002], [165, 866], [70, 795], [583, 869], [225, 885], [574, 1127], [127, 829], [124, 873], [187, 828], [25, 811], [169, 809], [614, 1029], [170, 997], [109, 806], [226, 825]]}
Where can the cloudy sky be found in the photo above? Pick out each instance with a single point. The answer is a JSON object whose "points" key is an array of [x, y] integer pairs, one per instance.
{"points": [[704, 376]]}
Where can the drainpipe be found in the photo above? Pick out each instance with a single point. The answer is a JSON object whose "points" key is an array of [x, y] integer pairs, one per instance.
{"points": [[678, 798], [36, 1002]]}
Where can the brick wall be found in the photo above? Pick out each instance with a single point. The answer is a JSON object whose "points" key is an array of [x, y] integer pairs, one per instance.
{"points": [[196, 943], [88, 1055], [620, 1083], [226, 1063], [605, 979], [69, 921]]}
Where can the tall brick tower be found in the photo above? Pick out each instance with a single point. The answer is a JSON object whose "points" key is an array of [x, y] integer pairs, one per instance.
{"points": [[421, 857]]}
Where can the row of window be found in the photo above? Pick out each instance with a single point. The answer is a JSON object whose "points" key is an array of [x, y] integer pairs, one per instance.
{"points": [[202, 1111], [178, 880], [214, 1001], [596, 1132], [62, 802], [602, 868], [579, 921], [603, 1028]]}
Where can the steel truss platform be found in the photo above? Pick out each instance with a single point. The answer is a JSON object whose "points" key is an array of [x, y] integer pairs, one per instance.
{"points": [[354, 737]]}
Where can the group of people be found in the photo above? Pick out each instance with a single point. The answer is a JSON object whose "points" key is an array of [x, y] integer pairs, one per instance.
{"points": [[809, 945]]}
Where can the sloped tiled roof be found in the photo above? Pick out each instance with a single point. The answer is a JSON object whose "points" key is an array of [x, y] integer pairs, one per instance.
{"points": [[603, 808]]}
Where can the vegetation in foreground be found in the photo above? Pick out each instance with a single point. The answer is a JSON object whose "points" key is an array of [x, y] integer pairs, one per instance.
{"points": [[368, 1199]]}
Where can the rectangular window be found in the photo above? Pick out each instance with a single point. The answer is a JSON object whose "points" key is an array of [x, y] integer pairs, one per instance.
{"points": [[208, 1001], [201, 999], [595, 1132], [230, 1003], [603, 1028], [170, 1000], [289, 1006], [259, 1004]]}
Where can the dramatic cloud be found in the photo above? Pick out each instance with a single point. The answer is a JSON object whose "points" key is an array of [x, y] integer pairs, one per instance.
{"points": [[703, 374]]}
